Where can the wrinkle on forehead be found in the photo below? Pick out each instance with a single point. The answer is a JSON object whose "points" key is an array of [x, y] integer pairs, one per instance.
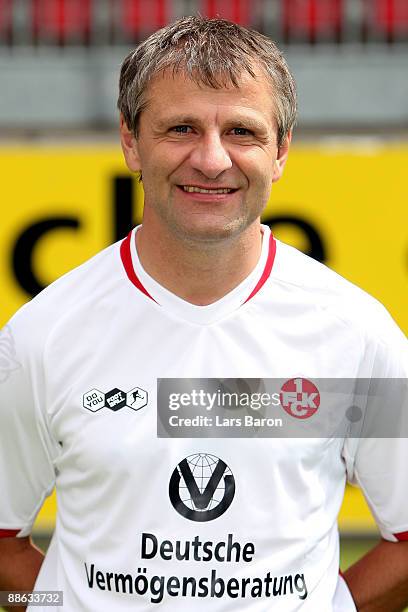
{"points": [[220, 81], [216, 79]]}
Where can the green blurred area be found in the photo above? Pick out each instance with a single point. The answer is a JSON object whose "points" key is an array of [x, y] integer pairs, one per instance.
{"points": [[352, 549]]}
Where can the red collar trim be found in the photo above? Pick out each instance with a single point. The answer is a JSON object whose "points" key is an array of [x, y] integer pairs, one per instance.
{"points": [[267, 270], [126, 256]]}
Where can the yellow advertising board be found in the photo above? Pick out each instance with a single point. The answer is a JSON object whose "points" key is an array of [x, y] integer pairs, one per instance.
{"points": [[343, 203]]}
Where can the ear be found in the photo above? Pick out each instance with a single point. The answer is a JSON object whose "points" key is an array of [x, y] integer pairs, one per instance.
{"points": [[129, 147], [283, 152]]}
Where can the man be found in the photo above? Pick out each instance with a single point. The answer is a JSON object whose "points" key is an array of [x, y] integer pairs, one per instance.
{"points": [[201, 290]]}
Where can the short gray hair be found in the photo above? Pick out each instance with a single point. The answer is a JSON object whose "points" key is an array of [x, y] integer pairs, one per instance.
{"points": [[212, 52]]}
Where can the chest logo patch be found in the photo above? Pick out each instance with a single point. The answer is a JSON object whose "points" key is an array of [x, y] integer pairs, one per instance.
{"points": [[201, 487], [300, 398], [115, 399]]}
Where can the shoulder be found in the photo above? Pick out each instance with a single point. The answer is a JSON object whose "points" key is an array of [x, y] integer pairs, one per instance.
{"points": [[317, 285], [81, 289]]}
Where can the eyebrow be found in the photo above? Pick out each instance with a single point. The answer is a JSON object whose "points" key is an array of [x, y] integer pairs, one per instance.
{"points": [[177, 120], [249, 123]]}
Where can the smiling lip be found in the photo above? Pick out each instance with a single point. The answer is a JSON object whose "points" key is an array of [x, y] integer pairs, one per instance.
{"points": [[207, 197], [206, 190]]}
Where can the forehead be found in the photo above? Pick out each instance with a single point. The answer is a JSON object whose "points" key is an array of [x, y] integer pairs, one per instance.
{"points": [[170, 92]]}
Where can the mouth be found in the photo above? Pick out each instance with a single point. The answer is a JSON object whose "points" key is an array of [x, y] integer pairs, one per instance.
{"points": [[206, 190]]}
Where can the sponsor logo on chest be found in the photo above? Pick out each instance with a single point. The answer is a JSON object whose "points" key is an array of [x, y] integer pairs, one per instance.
{"points": [[115, 399]]}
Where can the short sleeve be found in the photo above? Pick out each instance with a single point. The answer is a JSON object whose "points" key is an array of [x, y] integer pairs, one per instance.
{"points": [[27, 473], [378, 459]]}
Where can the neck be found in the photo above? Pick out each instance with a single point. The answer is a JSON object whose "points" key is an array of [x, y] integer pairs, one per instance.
{"points": [[200, 273]]}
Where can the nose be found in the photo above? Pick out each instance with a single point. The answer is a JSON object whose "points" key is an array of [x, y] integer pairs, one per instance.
{"points": [[210, 157]]}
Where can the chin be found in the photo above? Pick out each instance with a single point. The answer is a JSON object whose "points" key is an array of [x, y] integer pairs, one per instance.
{"points": [[211, 232]]}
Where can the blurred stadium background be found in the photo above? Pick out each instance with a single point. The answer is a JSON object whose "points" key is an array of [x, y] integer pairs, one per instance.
{"points": [[66, 192]]}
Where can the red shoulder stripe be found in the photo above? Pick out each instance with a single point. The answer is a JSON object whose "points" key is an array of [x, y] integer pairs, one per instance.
{"points": [[267, 270], [126, 257]]}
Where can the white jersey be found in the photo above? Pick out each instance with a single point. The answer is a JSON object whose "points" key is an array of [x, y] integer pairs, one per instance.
{"points": [[138, 522]]}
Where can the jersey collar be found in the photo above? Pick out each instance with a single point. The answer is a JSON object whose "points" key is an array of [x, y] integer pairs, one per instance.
{"points": [[236, 298]]}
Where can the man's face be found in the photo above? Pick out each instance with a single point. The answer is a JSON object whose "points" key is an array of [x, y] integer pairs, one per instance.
{"points": [[193, 138]]}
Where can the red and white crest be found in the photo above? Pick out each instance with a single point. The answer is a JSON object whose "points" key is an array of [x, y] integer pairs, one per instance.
{"points": [[300, 398]]}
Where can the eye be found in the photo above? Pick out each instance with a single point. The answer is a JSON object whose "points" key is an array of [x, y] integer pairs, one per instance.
{"points": [[240, 131], [181, 129]]}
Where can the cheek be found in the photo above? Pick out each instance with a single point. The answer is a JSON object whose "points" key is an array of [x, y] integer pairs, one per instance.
{"points": [[257, 166], [155, 174], [261, 179], [157, 183], [167, 157]]}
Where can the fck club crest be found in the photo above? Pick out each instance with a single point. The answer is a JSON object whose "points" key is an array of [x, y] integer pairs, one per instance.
{"points": [[300, 398]]}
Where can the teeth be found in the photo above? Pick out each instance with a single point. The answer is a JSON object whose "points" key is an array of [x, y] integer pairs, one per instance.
{"points": [[198, 190]]}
